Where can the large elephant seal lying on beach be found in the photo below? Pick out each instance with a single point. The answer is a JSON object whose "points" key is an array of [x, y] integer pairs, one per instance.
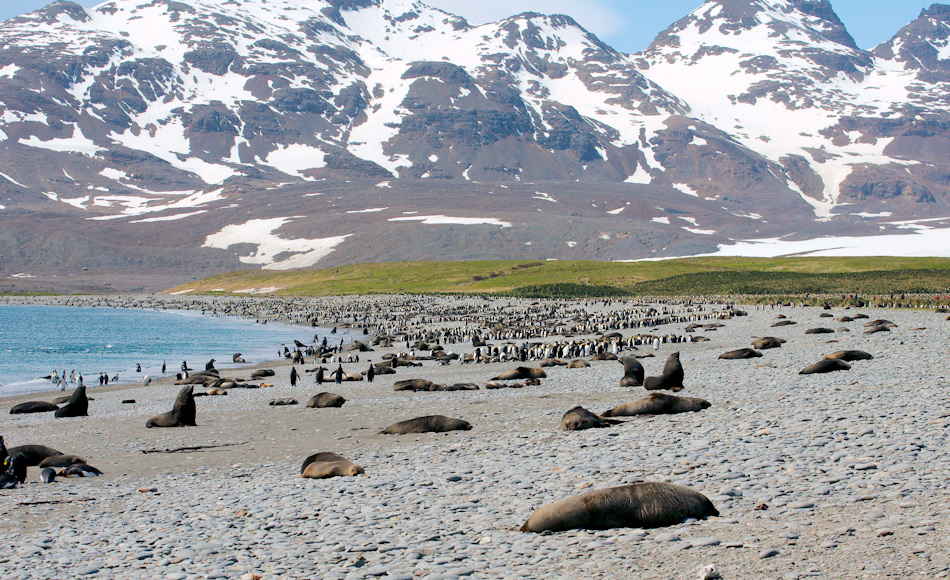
{"points": [[659, 404], [76, 406], [428, 424], [641, 505], [632, 372], [671, 379], [741, 353], [325, 400], [579, 418], [328, 464], [34, 454], [181, 415]]}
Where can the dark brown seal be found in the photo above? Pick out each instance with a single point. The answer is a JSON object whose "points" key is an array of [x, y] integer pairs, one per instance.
{"points": [[77, 406], [325, 400], [61, 461], [641, 505], [33, 407], [825, 366], [671, 379], [742, 353], [579, 418], [428, 424], [767, 342], [848, 355], [181, 415], [632, 372], [659, 404], [521, 373]]}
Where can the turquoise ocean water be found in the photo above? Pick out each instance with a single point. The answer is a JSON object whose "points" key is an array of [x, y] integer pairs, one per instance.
{"points": [[34, 340]]}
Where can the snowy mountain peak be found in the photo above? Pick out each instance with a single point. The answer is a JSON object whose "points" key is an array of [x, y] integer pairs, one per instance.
{"points": [[924, 44]]}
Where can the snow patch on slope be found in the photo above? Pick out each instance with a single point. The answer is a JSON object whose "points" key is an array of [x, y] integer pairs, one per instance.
{"points": [[260, 233]]}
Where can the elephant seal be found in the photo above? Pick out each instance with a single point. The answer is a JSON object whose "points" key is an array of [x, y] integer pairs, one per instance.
{"points": [[33, 407], [182, 413], [428, 424], [324, 465], [578, 364], [262, 374], [325, 400], [632, 372], [784, 323], [521, 373], [848, 355], [61, 461], [819, 331], [77, 406], [640, 505], [671, 379], [825, 366], [283, 402], [579, 418], [767, 342], [741, 353], [34, 453], [659, 404]]}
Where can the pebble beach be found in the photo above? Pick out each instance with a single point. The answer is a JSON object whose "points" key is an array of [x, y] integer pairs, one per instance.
{"points": [[839, 475]]}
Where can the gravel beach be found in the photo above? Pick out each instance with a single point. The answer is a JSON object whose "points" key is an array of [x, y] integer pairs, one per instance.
{"points": [[840, 475]]}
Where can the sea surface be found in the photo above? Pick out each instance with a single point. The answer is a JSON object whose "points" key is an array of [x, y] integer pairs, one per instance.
{"points": [[35, 340]]}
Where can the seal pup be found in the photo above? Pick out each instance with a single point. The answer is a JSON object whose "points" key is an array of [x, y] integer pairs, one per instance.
{"points": [[33, 407], [579, 418], [767, 342], [640, 505], [659, 404], [61, 461], [328, 464], [825, 366], [325, 400], [77, 406], [848, 355], [182, 413], [742, 353], [521, 373], [632, 372], [427, 424], [671, 379]]}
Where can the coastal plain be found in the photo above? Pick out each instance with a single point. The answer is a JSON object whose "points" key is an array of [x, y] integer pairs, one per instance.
{"points": [[840, 475]]}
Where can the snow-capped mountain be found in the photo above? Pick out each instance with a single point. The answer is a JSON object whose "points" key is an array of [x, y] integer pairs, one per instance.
{"points": [[287, 133]]}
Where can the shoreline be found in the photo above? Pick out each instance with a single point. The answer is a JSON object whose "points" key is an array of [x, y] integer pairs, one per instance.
{"points": [[852, 468]]}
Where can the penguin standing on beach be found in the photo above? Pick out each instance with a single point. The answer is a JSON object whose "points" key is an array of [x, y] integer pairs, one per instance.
{"points": [[293, 376], [320, 376]]}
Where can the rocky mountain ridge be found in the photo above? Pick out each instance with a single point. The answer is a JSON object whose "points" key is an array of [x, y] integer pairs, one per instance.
{"points": [[288, 134]]}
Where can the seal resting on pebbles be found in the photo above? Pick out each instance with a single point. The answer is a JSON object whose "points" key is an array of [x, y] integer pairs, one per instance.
{"points": [[521, 373], [77, 406], [283, 402], [671, 379], [659, 404], [767, 342], [579, 418], [262, 374], [825, 366], [428, 424], [33, 407], [640, 505], [848, 355], [741, 353], [819, 331], [578, 364], [632, 372], [34, 454], [181, 415], [325, 400], [328, 464]]}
